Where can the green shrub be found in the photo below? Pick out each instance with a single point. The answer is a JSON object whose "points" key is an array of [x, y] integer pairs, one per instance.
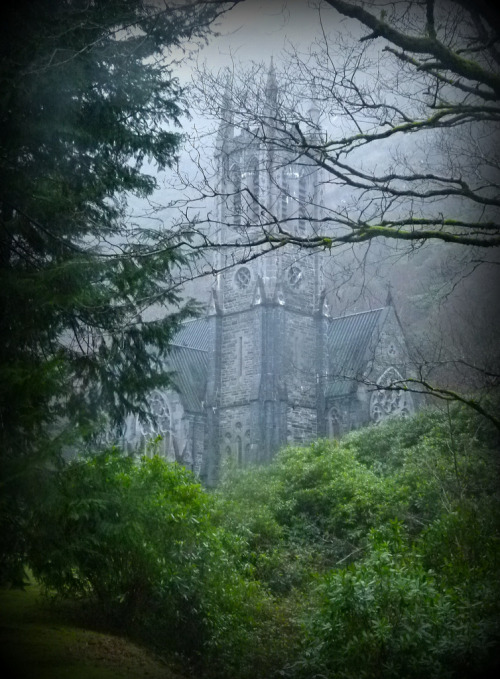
{"points": [[399, 526], [137, 539], [311, 508], [387, 617], [463, 545], [129, 535], [384, 447], [378, 556]]}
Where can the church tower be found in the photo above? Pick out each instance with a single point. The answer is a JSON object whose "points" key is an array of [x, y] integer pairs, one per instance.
{"points": [[268, 366], [267, 313]]}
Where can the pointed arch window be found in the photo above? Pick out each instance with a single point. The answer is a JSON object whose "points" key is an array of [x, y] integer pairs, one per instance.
{"points": [[160, 420], [302, 201], [239, 356], [294, 277], [158, 423], [290, 190], [225, 166], [254, 187], [334, 423], [296, 353], [235, 198], [239, 450], [389, 398], [285, 196]]}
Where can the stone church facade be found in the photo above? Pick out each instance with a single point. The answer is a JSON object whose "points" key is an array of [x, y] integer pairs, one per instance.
{"points": [[268, 365]]}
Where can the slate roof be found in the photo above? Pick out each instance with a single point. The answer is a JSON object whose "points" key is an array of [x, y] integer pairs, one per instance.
{"points": [[348, 342], [190, 367], [194, 334], [188, 359]]}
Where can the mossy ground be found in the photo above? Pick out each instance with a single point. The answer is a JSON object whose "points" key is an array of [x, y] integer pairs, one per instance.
{"points": [[38, 640]]}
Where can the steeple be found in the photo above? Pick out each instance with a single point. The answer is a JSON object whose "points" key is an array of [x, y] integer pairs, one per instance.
{"points": [[226, 127], [314, 111], [271, 89]]}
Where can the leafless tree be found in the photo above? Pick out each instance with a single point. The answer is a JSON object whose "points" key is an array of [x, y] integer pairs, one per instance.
{"points": [[402, 122], [394, 118]]}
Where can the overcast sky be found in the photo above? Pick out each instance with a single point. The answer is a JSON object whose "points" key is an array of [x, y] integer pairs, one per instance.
{"points": [[259, 29], [254, 31]]}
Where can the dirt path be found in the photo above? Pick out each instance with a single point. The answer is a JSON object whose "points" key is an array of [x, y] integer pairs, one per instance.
{"points": [[36, 643]]}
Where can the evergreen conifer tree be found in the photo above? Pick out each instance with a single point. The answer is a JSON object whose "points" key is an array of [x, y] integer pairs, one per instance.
{"points": [[86, 98]]}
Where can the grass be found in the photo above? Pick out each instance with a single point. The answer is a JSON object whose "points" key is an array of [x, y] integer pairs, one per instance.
{"points": [[38, 640]]}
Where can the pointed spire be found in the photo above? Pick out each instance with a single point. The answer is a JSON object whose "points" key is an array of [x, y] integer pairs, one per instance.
{"points": [[314, 111], [271, 86], [226, 98], [226, 129]]}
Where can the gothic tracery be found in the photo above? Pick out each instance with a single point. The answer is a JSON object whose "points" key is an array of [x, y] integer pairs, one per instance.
{"points": [[160, 423], [389, 398]]}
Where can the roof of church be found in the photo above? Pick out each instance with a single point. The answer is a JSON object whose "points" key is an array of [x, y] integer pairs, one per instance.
{"points": [[188, 360], [190, 375], [349, 338], [194, 334], [349, 341]]}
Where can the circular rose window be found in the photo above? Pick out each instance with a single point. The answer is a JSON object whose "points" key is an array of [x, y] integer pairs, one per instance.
{"points": [[243, 278]]}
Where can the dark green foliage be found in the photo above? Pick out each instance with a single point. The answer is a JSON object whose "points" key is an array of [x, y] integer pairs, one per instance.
{"points": [[128, 535], [136, 541], [392, 538], [311, 509], [377, 556], [87, 97], [388, 616]]}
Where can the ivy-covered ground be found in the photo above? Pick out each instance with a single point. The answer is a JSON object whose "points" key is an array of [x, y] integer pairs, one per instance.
{"points": [[376, 556]]}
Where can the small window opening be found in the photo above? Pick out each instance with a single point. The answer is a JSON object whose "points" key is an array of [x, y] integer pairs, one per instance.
{"points": [[240, 356]]}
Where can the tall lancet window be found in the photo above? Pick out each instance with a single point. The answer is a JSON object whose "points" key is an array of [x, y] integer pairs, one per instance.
{"points": [[334, 423], [239, 357], [302, 201], [285, 197], [254, 187], [290, 194], [160, 424], [235, 197]]}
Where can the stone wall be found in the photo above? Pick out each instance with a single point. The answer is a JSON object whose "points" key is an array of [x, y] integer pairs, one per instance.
{"points": [[238, 430], [241, 356], [298, 345], [301, 424]]}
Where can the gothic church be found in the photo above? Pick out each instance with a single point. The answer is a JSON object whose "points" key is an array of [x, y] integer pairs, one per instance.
{"points": [[268, 365]]}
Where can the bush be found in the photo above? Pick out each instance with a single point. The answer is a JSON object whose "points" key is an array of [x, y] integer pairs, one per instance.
{"points": [[378, 556], [387, 616], [128, 535], [311, 508], [136, 539], [392, 537]]}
